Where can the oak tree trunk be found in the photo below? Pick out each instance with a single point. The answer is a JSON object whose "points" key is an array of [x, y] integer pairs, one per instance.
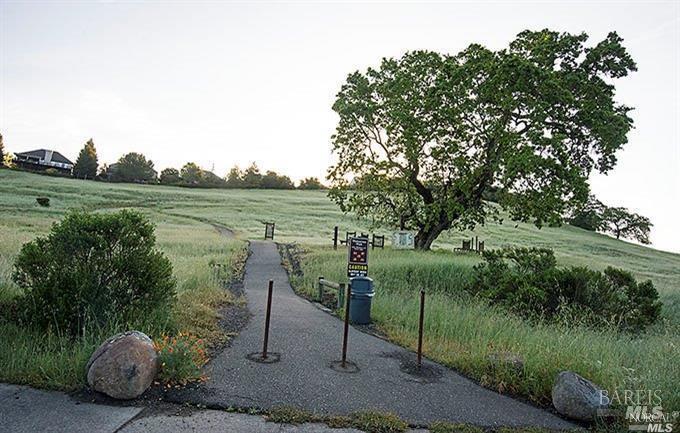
{"points": [[425, 237]]}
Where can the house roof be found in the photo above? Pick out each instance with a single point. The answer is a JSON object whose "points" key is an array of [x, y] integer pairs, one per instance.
{"points": [[41, 153]]}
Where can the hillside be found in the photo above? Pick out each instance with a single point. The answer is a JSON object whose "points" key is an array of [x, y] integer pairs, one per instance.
{"points": [[460, 333], [306, 217]]}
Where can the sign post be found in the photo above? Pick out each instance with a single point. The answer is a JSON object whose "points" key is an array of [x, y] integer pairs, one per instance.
{"points": [[357, 257]]}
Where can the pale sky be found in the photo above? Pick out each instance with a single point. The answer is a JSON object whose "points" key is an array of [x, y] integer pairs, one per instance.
{"points": [[224, 83]]}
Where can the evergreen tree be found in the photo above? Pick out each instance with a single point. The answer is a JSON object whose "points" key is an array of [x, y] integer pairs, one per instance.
{"points": [[86, 164]]}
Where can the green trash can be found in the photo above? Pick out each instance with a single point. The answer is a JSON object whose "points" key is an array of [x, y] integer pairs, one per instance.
{"points": [[360, 300]]}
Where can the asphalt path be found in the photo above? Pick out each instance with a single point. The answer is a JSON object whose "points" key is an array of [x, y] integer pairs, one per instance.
{"points": [[308, 341]]}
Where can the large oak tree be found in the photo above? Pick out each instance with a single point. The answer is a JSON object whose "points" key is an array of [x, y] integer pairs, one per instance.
{"points": [[625, 224], [423, 137]]}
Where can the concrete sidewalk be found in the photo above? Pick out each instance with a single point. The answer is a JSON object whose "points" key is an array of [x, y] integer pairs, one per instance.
{"points": [[308, 341], [28, 410]]}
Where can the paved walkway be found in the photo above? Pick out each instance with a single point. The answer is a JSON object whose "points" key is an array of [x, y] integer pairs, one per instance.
{"points": [[28, 410], [308, 341]]}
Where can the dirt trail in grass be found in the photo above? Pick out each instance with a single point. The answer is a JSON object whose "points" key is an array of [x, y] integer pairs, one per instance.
{"points": [[308, 341]]}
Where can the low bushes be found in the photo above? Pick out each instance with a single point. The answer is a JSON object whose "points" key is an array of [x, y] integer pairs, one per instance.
{"points": [[181, 359], [528, 281], [93, 269]]}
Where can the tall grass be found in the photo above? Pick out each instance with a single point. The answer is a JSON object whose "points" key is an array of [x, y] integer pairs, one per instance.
{"points": [[55, 361], [462, 332]]}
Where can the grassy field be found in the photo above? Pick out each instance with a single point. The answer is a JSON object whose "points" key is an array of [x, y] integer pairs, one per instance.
{"points": [[53, 361], [460, 331]]}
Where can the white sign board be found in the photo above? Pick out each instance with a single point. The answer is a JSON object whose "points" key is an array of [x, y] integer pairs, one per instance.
{"points": [[403, 240]]}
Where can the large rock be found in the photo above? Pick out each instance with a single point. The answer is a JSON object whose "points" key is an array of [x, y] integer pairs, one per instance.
{"points": [[576, 397], [124, 366]]}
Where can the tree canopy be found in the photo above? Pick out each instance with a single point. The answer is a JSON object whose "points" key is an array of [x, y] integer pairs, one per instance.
{"points": [[170, 176], [588, 216], [87, 162], [311, 183], [133, 167], [625, 224], [422, 138]]}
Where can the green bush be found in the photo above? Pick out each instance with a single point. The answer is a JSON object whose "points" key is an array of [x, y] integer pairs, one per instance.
{"points": [[528, 281], [93, 269]]}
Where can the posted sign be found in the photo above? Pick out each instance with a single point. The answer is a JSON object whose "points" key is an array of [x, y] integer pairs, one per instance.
{"points": [[357, 260]]}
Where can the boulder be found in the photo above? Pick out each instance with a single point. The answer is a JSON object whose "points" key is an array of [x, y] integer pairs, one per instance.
{"points": [[124, 366], [576, 397]]}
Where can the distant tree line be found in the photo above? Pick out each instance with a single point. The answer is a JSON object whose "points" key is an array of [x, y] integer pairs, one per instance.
{"points": [[134, 167], [618, 221]]}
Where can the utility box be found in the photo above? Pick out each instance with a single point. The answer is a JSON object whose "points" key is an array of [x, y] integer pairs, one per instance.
{"points": [[360, 301]]}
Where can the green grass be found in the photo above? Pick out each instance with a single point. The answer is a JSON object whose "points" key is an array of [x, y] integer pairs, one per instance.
{"points": [[460, 332], [57, 362]]}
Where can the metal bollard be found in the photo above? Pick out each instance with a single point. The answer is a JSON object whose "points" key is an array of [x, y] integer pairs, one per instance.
{"points": [[420, 328], [346, 331], [266, 320]]}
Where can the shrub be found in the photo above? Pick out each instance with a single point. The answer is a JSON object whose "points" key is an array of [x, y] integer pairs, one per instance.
{"points": [[43, 201], [528, 281], [93, 269], [181, 359]]}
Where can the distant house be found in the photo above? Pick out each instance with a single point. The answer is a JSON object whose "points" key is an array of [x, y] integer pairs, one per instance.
{"points": [[42, 159]]}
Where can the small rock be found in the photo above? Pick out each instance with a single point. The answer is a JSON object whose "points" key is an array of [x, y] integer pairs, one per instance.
{"points": [[576, 397], [124, 366], [507, 360]]}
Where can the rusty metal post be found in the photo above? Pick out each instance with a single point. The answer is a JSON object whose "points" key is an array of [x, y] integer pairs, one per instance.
{"points": [[346, 331], [420, 328], [266, 320], [335, 238]]}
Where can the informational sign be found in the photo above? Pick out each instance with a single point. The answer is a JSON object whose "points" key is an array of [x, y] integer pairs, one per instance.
{"points": [[269, 230], [403, 240], [357, 259]]}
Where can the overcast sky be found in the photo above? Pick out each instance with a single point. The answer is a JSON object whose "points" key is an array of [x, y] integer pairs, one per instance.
{"points": [[229, 83]]}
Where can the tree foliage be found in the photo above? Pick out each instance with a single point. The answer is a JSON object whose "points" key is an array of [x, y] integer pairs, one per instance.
{"points": [[273, 180], [621, 222], [87, 162], [133, 167], [2, 152], [311, 183], [251, 178], [588, 216], [235, 178], [422, 138], [170, 176]]}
